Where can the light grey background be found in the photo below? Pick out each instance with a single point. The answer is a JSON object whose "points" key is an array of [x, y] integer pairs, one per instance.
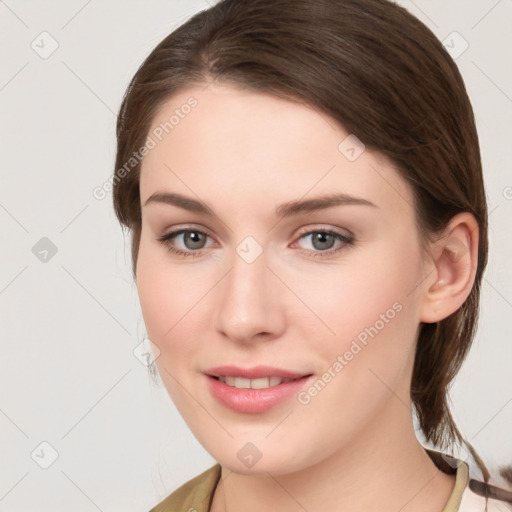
{"points": [[70, 324]]}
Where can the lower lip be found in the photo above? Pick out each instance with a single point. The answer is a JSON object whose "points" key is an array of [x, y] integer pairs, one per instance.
{"points": [[254, 400]]}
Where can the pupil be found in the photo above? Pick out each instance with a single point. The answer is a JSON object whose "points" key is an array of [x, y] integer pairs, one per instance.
{"points": [[323, 241], [193, 240]]}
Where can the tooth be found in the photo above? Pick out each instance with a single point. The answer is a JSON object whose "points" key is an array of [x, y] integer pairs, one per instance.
{"points": [[261, 383], [230, 381], [274, 381], [242, 383]]}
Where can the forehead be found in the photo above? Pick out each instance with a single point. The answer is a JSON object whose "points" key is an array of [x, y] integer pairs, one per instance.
{"points": [[223, 140]]}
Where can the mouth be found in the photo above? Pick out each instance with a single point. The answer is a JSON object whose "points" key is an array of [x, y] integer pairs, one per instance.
{"points": [[254, 390]]}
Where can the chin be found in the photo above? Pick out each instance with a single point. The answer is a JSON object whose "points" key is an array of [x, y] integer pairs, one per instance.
{"points": [[260, 458], [274, 468]]}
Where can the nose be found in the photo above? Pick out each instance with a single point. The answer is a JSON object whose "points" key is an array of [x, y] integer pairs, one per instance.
{"points": [[248, 305]]}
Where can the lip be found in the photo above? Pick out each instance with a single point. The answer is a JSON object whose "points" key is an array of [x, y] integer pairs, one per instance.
{"points": [[253, 401], [255, 372]]}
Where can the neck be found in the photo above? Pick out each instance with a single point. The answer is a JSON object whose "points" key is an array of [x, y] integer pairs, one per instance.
{"points": [[383, 469]]}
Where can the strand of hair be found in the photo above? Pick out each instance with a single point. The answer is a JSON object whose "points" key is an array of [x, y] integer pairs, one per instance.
{"points": [[490, 491]]}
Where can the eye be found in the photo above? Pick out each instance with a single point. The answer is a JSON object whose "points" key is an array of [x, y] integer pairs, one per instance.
{"points": [[323, 242], [189, 241]]}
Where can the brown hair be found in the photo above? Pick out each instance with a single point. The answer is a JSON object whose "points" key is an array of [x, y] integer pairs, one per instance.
{"points": [[385, 77]]}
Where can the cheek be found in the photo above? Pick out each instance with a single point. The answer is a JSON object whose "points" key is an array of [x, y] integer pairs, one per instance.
{"points": [[371, 318], [159, 301], [164, 304], [365, 291], [174, 306], [384, 322], [163, 293]]}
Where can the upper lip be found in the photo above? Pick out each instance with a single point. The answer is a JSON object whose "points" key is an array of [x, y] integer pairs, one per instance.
{"points": [[255, 372]]}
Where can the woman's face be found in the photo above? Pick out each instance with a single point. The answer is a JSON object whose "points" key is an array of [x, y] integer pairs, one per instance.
{"points": [[271, 274]]}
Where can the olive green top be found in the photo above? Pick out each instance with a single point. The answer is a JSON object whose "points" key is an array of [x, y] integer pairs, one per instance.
{"points": [[196, 495]]}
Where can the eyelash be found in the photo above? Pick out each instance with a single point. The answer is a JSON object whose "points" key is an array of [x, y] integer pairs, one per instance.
{"points": [[347, 242]]}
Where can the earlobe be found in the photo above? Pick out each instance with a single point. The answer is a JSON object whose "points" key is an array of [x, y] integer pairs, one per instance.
{"points": [[455, 259]]}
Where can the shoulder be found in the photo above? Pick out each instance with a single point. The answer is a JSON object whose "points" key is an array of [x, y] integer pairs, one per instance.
{"points": [[194, 495], [463, 498]]}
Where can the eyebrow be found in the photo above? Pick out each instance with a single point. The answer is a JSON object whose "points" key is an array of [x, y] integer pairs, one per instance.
{"points": [[287, 209]]}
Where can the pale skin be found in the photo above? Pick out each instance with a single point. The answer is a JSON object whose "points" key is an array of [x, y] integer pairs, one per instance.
{"points": [[353, 446]]}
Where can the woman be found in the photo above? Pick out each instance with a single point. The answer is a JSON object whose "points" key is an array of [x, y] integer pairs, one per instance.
{"points": [[303, 183]]}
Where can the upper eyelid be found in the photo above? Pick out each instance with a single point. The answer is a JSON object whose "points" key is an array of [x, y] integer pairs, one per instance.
{"points": [[327, 229], [302, 231]]}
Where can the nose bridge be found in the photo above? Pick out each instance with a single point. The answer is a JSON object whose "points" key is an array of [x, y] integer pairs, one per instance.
{"points": [[248, 302]]}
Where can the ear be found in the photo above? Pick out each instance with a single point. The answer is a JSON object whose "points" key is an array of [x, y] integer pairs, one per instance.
{"points": [[455, 256]]}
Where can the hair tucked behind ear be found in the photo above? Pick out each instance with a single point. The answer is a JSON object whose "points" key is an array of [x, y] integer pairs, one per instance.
{"points": [[398, 91]]}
